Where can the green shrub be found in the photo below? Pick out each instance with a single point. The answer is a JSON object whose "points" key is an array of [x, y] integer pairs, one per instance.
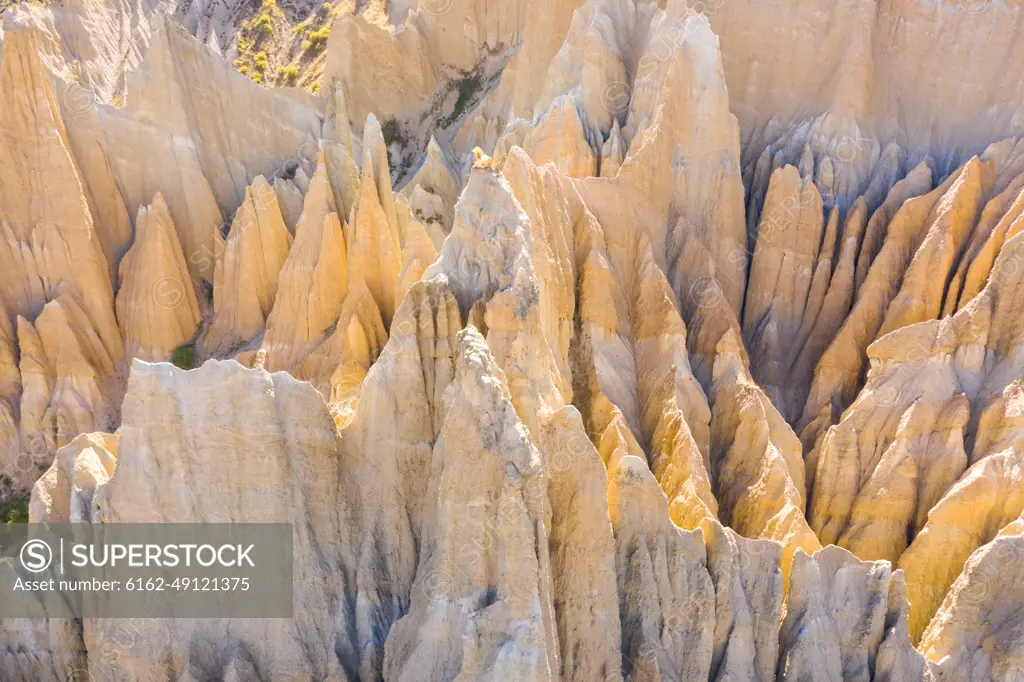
{"points": [[260, 61], [13, 503], [316, 40], [316, 87], [184, 356], [263, 24], [467, 87], [288, 74]]}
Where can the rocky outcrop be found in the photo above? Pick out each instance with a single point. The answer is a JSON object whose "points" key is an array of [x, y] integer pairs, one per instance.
{"points": [[49, 239], [284, 489], [248, 269], [667, 598], [400, 409], [65, 492], [836, 617], [435, 80], [481, 604], [573, 350], [756, 461], [313, 280], [156, 304], [785, 288], [974, 634], [374, 241], [69, 385]]}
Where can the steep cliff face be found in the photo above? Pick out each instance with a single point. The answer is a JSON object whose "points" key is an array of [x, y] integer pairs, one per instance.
{"points": [[577, 342]]}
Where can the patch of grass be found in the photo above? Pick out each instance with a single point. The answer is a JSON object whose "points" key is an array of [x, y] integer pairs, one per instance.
{"points": [[288, 74], [316, 87], [389, 130], [184, 356], [467, 87], [13, 503], [259, 61]]}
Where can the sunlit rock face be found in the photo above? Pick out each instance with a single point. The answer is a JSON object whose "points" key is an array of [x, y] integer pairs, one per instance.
{"points": [[590, 341]]}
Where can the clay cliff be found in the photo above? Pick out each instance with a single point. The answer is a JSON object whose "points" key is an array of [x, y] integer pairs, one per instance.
{"points": [[587, 341]]}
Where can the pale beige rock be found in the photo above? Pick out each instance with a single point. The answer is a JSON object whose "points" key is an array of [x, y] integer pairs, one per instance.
{"points": [[460, 521], [340, 152], [632, 336], [612, 152], [417, 255], [916, 183], [835, 617], [435, 64], [433, 190], [680, 85], [49, 240], [64, 493], [289, 201], [1000, 212], [10, 377], [47, 651], [248, 267], [481, 604], [1009, 225], [891, 74], [258, 443], [559, 138], [592, 63], [1000, 423], [780, 287], [923, 460], [975, 635], [69, 385], [374, 246], [543, 36], [156, 303], [666, 595], [37, 438], [948, 353], [838, 373], [756, 461], [543, 199], [400, 410], [312, 283], [817, 334], [838, 376], [984, 500], [950, 224], [748, 604], [88, 43], [897, 659], [177, 106], [355, 342], [582, 552]]}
